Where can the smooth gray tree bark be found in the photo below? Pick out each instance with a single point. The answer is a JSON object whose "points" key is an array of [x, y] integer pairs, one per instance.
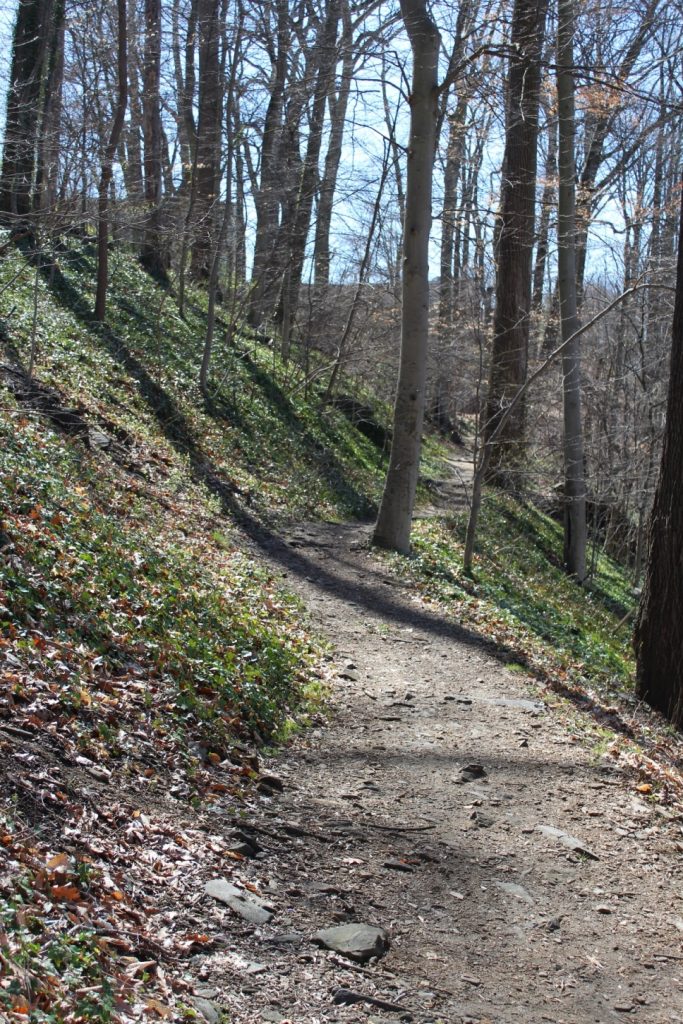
{"points": [[394, 521]]}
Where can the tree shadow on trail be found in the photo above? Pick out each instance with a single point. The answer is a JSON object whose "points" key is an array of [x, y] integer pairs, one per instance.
{"points": [[369, 594]]}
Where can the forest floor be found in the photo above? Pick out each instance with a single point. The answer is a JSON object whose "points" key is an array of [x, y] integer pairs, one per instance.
{"points": [[483, 785], [519, 876], [516, 872]]}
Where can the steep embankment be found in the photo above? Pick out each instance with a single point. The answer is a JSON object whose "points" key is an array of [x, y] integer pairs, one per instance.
{"points": [[147, 651], [143, 648]]}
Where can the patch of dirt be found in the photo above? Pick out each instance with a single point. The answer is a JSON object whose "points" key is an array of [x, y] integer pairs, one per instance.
{"points": [[493, 916], [520, 877]]}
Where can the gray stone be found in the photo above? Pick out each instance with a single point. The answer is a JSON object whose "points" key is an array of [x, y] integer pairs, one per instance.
{"points": [[358, 942], [513, 889], [571, 842], [209, 1011], [98, 439], [250, 907], [471, 772]]}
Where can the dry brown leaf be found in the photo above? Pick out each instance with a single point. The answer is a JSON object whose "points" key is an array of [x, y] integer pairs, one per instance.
{"points": [[160, 1008], [65, 892], [61, 860]]}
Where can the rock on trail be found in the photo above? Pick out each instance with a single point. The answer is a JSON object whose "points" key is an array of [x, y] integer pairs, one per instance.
{"points": [[438, 758]]}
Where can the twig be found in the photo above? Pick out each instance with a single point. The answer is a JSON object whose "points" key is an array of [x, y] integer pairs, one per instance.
{"points": [[347, 997], [397, 828]]}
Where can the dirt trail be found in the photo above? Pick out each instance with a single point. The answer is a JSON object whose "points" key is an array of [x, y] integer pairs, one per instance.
{"points": [[491, 918]]}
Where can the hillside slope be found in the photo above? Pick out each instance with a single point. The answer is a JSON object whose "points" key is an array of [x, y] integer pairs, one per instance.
{"points": [[143, 648], [147, 652]]}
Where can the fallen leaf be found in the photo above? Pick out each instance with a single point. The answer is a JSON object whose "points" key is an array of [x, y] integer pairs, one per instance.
{"points": [[160, 1008], [65, 892], [59, 861]]}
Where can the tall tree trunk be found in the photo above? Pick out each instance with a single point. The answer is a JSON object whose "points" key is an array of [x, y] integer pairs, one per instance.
{"points": [[227, 216], [454, 158], [547, 204], [206, 173], [184, 74], [338, 103], [153, 257], [394, 520], [266, 198], [35, 39], [390, 123], [324, 63], [575, 532], [515, 243], [130, 145], [49, 137], [658, 636], [108, 164]]}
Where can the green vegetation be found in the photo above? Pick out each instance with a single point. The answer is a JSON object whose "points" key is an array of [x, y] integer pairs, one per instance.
{"points": [[107, 584], [262, 432], [142, 642], [521, 598]]}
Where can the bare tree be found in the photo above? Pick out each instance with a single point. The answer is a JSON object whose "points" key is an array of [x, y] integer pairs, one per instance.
{"points": [[153, 256], [658, 636], [575, 531], [34, 88], [515, 232], [206, 163], [394, 520], [108, 163]]}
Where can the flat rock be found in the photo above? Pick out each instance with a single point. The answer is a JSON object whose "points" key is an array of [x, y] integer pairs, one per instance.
{"points": [[571, 842], [513, 889], [250, 907], [358, 942], [98, 439], [209, 1011]]}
